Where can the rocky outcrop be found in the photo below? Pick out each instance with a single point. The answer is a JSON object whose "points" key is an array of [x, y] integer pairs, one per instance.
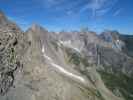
{"points": [[113, 37], [11, 50]]}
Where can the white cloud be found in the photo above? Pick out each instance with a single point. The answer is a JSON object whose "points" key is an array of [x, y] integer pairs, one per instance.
{"points": [[96, 7], [117, 12], [99, 7]]}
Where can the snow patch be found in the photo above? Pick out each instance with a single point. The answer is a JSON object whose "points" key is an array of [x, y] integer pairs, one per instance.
{"points": [[69, 45], [43, 51], [61, 69], [67, 73]]}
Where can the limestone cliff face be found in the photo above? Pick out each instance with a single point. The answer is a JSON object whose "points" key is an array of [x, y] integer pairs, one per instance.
{"points": [[40, 65]]}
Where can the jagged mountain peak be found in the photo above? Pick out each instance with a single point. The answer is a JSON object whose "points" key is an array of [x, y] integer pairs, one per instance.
{"points": [[36, 27], [36, 31], [109, 36], [2, 15]]}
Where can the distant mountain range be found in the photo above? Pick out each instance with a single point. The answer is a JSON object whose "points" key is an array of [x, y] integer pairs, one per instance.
{"points": [[42, 65]]}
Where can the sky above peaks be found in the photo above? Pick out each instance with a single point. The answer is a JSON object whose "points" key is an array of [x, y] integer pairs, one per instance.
{"points": [[57, 15]]}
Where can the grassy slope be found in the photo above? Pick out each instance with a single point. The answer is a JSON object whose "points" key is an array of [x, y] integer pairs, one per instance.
{"points": [[123, 83]]}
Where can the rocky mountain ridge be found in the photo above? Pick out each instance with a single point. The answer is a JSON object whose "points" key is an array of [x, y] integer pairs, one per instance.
{"points": [[41, 65]]}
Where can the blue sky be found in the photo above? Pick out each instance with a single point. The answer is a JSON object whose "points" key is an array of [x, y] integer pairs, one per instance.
{"points": [[57, 15]]}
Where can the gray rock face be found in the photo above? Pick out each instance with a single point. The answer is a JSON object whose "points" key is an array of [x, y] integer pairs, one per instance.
{"points": [[115, 62], [128, 40], [108, 50], [113, 37], [109, 36]]}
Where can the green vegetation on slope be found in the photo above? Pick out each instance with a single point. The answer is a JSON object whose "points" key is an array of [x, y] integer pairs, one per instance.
{"points": [[54, 43], [121, 82], [76, 58]]}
